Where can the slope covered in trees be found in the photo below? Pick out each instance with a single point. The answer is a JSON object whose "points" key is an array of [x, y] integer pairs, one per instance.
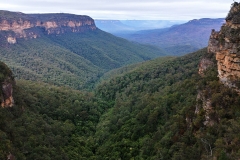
{"points": [[48, 122], [73, 59], [154, 114], [130, 68], [150, 111]]}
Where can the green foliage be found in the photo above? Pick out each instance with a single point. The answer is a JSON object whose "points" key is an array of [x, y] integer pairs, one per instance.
{"points": [[105, 50], [146, 111], [11, 15], [151, 105], [154, 117], [49, 122], [5, 75], [130, 68], [5, 71], [42, 60], [76, 60], [152, 76]]}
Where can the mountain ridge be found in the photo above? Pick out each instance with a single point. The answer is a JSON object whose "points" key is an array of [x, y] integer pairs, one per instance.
{"points": [[178, 39], [20, 25], [118, 27]]}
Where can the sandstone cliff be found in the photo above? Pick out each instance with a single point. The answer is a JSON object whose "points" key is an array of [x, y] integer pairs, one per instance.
{"points": [[19, 25], [226, 45]]}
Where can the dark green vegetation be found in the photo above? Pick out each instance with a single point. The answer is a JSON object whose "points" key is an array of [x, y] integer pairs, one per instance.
{"points": [[73, 59], [49, 123], [178, 39], [5, 72], [11, 15], [130, 68], [154, 113], [146, 113]]}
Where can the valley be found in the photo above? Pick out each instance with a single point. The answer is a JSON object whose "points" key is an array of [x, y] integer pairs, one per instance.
{"points": [[71, 91], [74, 56]]}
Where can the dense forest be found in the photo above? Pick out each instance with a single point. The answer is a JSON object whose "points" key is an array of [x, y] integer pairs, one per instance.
{"points": [[154, 113], [76, 60], [150, 110]]}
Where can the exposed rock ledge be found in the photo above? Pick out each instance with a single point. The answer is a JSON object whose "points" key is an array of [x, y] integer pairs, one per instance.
{"points": [[22, 25], [7, 94], [226, 45], [7, 84]]}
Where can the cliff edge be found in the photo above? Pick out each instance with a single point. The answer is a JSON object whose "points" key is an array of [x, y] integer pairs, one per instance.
{"points": [[14, 25], [226, 45]]}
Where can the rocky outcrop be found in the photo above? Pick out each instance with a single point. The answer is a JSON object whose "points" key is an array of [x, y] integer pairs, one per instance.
{"points": [[19, 25], [7, 84], [11, 40], [7, 94], [206, 104], [204, 64], [226, 45]]}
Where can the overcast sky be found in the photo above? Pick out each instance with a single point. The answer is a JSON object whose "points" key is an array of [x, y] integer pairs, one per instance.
{"points": [[125, 9]]}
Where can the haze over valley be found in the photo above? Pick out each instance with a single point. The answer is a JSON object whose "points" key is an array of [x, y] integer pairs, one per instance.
{"points": [[175, 37]]}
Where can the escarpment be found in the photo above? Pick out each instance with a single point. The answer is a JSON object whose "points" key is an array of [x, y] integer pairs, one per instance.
{"points": [[18, 25], [226, 45]]}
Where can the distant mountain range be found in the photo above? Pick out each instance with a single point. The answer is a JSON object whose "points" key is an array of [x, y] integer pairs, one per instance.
{"points": [[178, 39], [129, 26], [114, 26]]}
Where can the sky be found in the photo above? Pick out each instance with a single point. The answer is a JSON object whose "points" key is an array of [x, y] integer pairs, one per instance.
{"points": [[125, 9]]}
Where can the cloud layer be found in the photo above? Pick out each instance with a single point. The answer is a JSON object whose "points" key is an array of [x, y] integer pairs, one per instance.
{"points": [[125, 9]]}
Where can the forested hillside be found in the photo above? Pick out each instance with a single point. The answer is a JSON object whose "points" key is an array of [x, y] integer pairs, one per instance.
{"points": [[129, 68], [49, 123], [148, 112], [73, 59], [157, 115]]}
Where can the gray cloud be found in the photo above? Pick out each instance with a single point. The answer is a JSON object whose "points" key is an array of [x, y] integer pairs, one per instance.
{"points": [[125, 9]]}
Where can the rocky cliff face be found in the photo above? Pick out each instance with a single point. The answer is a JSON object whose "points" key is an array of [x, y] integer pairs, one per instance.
{"points": [[226, 45], [204, 64], [7, 92], [6, 86], [19, 25]]}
